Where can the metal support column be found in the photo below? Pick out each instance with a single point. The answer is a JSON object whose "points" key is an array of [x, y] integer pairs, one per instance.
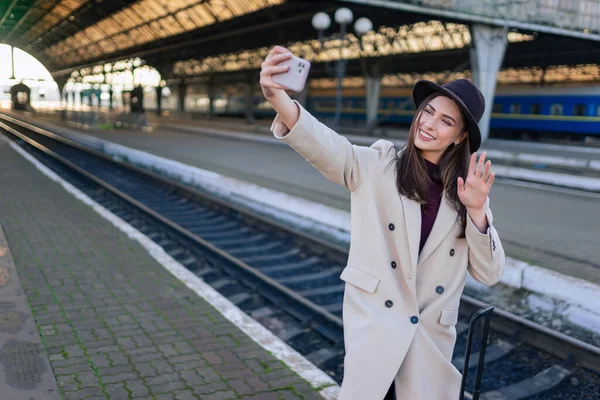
{"points": [[212, 94], [488, 45], [182, 92], [301, 96], [249, 99], [340, 72], [12, 62], [373, 82], [111, 93], [159, 90], [228, 103]]}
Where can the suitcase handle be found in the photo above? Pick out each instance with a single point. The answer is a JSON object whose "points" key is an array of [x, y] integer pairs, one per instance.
{"points": [[481, 313]]}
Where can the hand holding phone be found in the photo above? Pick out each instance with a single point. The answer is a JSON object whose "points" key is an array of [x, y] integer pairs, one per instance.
{"points": [[295, 77]]}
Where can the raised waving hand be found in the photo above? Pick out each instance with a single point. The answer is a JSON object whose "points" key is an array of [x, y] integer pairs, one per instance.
{"points": [[474, 191]]}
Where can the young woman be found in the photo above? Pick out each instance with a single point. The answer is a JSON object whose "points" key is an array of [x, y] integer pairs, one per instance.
{"points": [[420, 221]]}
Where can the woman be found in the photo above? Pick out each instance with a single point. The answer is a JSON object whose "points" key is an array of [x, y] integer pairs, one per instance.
{"points": [[420, 219]]}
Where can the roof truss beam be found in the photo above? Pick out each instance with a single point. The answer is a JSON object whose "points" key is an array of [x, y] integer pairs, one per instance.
{"points": [[8, 11], [32, 11], [472, 17]]}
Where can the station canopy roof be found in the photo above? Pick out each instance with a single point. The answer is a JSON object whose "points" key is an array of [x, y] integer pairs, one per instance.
{"points": [[63, 33], [201, 37]]}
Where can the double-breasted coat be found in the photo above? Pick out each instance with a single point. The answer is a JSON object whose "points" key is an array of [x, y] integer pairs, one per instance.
{"points": [[400, 307]]}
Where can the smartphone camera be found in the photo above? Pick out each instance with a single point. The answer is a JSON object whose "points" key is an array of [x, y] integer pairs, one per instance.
{"points": [[301, 66]]}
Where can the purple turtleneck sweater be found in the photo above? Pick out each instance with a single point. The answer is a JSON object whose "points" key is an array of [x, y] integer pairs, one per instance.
{"points": [[434, 197]]}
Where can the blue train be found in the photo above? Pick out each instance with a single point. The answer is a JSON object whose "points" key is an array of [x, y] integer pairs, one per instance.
{"points": [[536, 112], [526, 111]]}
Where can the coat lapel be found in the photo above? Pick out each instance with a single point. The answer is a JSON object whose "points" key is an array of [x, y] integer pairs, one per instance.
{"points": [[444, 221], [412, 220]]}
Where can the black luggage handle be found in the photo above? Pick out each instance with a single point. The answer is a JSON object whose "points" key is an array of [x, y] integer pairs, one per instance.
{"points": [[482, 312]]}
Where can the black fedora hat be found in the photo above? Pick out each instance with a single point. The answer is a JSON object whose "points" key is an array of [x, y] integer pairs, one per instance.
{"points": [[468, 98]]}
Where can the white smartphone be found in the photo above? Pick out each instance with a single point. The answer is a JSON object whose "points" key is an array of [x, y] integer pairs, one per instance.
{"points": [[295, 77]]}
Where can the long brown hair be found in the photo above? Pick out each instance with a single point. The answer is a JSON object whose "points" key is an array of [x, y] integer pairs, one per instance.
{"points": [[412, 179]]}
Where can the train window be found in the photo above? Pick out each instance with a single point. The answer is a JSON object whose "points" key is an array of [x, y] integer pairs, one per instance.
{"points": [[579, 110], [497, 108], [598, 111], [536, 109], [556, 109], [515, 108], [327, 102]]}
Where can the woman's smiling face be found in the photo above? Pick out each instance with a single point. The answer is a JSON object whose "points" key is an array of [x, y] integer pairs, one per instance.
{"points": [[440, 125]]}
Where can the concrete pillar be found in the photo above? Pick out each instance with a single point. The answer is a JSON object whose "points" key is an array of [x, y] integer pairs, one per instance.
{"points": [[159, 90], [182, 91], [61, 81], [65, 106], [373, 93], [488, 45], [249, 100]]}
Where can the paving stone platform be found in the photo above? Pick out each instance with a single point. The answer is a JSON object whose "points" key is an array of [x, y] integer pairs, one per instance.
{"points": [[113, 322], [25, 371]]}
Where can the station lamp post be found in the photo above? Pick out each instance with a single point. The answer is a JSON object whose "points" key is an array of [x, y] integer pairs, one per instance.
{"points": [[343, 16], [12, 63]]}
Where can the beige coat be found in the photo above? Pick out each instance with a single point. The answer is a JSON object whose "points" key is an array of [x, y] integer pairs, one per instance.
{"points": [[384, 341]]}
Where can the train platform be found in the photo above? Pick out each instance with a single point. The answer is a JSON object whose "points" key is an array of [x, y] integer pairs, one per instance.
{"points": [[573, 165], [88, 311], [560, 150]]}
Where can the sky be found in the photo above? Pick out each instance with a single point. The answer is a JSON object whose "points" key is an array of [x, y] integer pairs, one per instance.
{"points": [[26, 66]]}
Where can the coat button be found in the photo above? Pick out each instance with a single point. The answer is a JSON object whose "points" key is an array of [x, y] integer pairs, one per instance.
{"points": [[493, 245], [391, 226], [389, 303], [439, 290], [414, 320], [451, 252], [394, 264]]}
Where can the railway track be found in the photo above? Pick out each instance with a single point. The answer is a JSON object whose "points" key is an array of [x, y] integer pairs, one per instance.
{"points": [[289, 281]]}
